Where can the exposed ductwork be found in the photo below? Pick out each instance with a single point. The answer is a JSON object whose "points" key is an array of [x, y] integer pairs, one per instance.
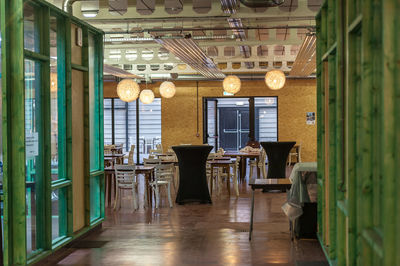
{"points": [[67, 5], [190, 53], [229, 6], [262, 3], [118, 72]]}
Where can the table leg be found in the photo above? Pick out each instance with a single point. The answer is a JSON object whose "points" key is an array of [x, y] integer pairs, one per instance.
{"points": [[251, 216], [242, 168], [109, 189], [147, 189], [258, 168], [228, 179]]}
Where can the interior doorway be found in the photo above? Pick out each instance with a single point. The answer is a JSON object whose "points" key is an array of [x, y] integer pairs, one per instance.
{"points": [[229, 123]]}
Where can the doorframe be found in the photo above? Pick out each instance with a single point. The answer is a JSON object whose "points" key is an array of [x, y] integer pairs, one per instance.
{"points": [[251, 115]]}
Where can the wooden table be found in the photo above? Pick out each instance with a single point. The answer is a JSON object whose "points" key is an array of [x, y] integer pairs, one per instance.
{"points": [[224, 164], [243, 161], [118, 157], [267, 184], [147, 171]]}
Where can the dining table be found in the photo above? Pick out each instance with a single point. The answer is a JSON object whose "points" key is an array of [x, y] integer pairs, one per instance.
{"points": [[147, 171], [225, 165], [243, 161], [117, 157]]}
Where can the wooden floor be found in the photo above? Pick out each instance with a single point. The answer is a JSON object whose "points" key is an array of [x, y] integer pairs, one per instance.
{"points": [[195, 234]]}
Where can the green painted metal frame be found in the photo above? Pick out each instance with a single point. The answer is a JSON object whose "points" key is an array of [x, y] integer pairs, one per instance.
{"points": [[360, 44], [13, 120]]}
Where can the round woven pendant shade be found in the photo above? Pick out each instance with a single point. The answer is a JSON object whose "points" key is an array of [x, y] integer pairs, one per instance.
{"points": [[231, 84], [147, 96], [128, 90], [275, 79], [167, 89]]}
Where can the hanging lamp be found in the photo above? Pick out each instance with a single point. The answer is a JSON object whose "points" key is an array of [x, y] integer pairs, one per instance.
{"points": [[167, 89], [231, 84], [147, 96], [275, 79], [128, 90]]}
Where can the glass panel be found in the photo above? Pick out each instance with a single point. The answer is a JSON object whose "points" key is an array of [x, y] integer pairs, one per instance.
{"points": [[132, 127], [31, 29], [107, 121], [54, 98], [149, 127], [95, 198], [121, 115], [234, 125], [58, 213], [211, 120], [266, 115], [32, 130], [93, 108]]}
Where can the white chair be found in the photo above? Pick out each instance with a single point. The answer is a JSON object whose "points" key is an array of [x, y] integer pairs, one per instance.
{"points": [[234, 174], [261, 164], [295, 151], [163, 177], [125, 178]]}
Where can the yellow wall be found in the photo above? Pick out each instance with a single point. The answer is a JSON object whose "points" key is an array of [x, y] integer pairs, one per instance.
{"points": [[179, 123]]}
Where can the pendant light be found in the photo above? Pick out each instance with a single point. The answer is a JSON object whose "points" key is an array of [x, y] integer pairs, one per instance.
{"points": [[275, 79], [231, 84], [146, 96], [128, 90], [167, 89]]}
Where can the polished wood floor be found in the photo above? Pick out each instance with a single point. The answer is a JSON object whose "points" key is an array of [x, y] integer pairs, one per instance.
{"points": [[196, 234]]}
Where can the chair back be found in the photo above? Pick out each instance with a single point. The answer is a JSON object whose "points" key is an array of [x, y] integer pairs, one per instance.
{"points": [[125, 174], [164, 172], [151, 162], [132, 148], [108, 149], [253, 144], [130, 158]]}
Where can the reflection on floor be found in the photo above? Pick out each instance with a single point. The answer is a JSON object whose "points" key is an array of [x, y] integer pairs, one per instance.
{"points": [[196, 234]]}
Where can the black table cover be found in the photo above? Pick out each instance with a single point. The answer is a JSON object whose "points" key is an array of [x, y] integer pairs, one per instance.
{"points": [[192, 173], [277, 153]]}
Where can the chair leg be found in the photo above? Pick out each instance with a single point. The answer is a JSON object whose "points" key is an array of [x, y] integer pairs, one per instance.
{"points": [[169, 195], [251, 171], [228, 180], [116, 197], [157, 191], [235, 182], [135, 204]]}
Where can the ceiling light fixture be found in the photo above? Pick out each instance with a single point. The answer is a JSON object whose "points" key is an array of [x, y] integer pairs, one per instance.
{"points": [[147, 96], [231, 84], [167, 89], [128, 90], [275, 79]]}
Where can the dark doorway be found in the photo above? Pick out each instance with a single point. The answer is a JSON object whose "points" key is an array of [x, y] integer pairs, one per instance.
{"points": [[234, 127]]}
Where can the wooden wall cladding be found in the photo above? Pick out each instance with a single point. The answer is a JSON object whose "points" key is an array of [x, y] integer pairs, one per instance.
{"points": [[78, 161], [76, 51], [179, 123]]}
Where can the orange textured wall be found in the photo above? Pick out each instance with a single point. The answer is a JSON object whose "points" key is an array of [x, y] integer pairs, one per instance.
{"points": [[180, 117]]}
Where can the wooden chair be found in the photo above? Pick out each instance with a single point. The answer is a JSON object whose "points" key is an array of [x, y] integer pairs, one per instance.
{"points": [[126, 180], [234, 174], [260, 165], [163, 177], [295, 151]]}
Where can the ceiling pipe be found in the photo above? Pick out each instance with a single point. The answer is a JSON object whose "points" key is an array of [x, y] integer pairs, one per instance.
{"points": [[67, 5], [310, 27], [262, 3]]}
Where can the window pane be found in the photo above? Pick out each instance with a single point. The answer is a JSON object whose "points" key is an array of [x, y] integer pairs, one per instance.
{"points": [[120, 113], [107, 121], [58, 213], [95, 200], [54, 98], [31, 29], [149, 127], [266, 115], [32, 132], [132, 127], [93, 108]]}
